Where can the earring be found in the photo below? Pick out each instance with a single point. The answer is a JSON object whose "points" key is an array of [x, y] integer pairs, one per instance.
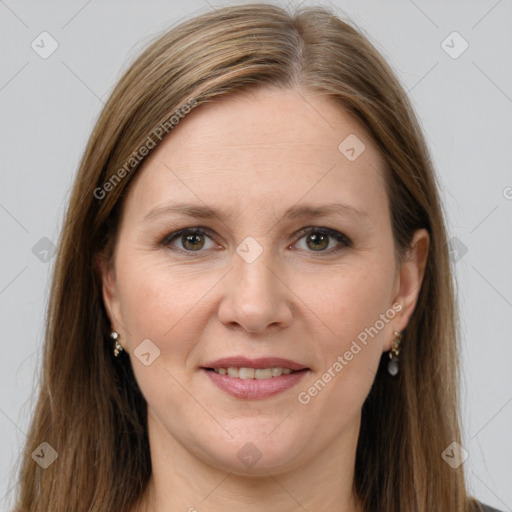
{"points": [[117, 346], [393, 366]]}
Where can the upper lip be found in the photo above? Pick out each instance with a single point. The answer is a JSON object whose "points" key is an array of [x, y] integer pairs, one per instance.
{"points": [[260, 362]]}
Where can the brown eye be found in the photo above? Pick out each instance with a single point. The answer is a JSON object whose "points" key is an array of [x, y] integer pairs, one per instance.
{"points": [[318, 241], [193, 242], [189, 240], [324, 240]]}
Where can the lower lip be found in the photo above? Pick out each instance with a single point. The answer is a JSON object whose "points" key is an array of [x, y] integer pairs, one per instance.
{"points": [[254, 389]]}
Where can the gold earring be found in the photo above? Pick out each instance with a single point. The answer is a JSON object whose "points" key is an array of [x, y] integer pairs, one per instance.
{"points": [[393, 366], [117, 346]]}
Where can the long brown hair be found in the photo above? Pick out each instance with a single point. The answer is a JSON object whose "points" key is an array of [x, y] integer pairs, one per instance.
{"points": [[90, 409]]}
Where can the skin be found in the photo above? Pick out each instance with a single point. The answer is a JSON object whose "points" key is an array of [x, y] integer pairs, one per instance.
{"points": [[256, 155]]}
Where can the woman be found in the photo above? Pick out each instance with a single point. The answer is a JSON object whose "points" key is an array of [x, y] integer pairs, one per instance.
{"points": [[251, 307]]}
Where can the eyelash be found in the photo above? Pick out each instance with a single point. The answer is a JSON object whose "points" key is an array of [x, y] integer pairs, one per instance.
{"points": [[343, 240]]}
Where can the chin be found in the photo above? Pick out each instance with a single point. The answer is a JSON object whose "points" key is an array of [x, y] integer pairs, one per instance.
{"points": [[254, 455]]}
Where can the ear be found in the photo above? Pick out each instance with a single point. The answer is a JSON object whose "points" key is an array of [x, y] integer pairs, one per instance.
{"points": [[106, 272], [410, 277]]}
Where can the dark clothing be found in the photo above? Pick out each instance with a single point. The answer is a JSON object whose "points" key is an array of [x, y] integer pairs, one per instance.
{"points": [[487, 508]]}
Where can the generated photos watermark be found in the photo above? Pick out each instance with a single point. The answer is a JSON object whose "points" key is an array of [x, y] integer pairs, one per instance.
{"points": [[137, 156], [304, 397]]}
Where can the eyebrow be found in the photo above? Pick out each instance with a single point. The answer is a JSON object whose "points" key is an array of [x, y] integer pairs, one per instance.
{"points": [[294, 212]]}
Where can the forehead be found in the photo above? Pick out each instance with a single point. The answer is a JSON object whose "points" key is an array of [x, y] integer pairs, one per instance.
{"points": [[263, 149]]}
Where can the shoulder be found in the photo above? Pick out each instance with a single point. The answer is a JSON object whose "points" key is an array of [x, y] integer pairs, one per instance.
{"points": [[487, 508]]}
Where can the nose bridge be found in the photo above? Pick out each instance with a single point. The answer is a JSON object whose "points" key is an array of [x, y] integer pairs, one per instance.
{"points": [[252, 276], [252, 267], [255, 297]]}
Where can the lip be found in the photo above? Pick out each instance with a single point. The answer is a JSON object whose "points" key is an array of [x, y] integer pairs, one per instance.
{"points": [[254, 389], [261, 362]]}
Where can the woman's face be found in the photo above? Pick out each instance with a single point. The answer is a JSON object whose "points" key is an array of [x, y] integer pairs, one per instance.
{"points": [[259, 230]]}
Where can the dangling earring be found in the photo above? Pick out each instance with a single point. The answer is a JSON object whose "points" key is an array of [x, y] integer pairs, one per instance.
{"points": [[117, 346], [393, 366]]}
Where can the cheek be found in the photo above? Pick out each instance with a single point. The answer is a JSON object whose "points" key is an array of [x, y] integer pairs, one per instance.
{"points": [[352, 301], [159, 300], [352, 310], [159, 304]]}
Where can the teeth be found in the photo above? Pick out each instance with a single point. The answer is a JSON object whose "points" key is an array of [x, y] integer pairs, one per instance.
{"points": [[246, 373], [253, 373], [262, 374]]}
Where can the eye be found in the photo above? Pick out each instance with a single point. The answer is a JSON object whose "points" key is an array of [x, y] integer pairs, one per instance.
{"points": [[190, 240], [318, 239]]}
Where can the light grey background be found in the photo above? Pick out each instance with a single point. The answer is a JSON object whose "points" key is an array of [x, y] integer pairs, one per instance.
{"points": [[48, 108]]}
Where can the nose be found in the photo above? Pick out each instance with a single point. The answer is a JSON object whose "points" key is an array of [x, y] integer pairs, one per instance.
{"points": [[255, 295]]}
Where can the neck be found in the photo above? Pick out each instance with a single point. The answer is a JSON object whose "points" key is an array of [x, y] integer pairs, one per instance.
{"points": [[182, 481]]}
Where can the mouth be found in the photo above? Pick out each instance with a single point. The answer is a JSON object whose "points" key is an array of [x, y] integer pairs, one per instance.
{"points": [[252, 379], [254, 373]]}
